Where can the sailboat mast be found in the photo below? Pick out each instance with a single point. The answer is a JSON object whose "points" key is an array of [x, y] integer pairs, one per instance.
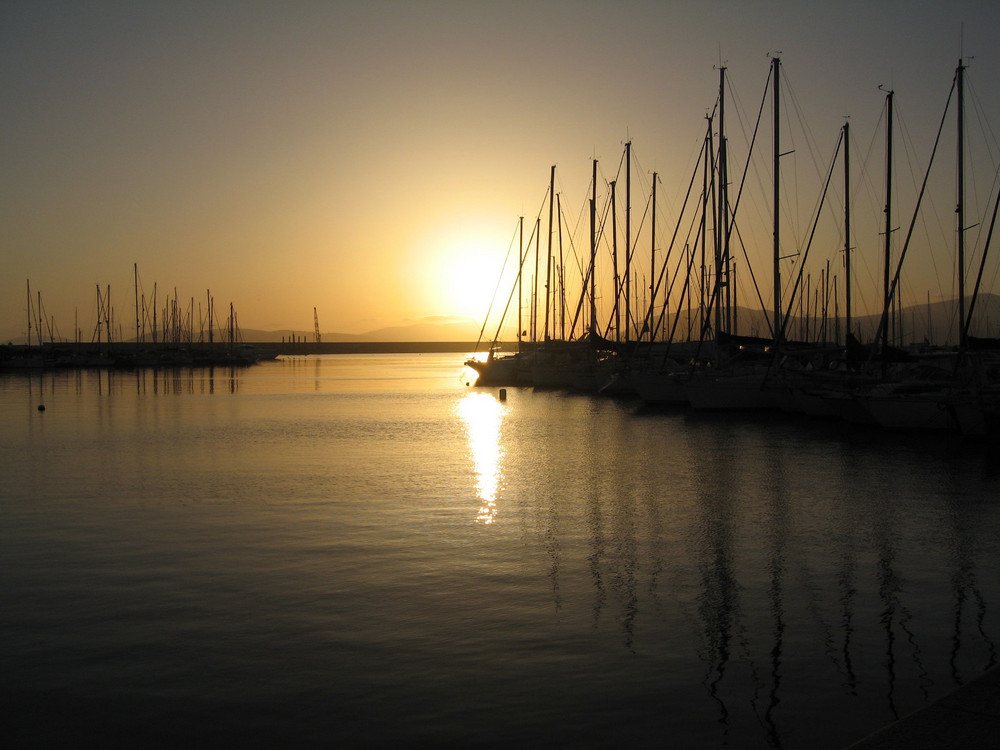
{"points": [[614, 255], [826, 301], [960, 75], [703, 280], [628, 239], [593, 252], [548, 264], [722, 267], [561, 276], [735, 330], [652, 266], [888, 210], [534, 281], [108, 317], [28, 284], [776, 67], [847, 225], [520, 278], [135, 279]]}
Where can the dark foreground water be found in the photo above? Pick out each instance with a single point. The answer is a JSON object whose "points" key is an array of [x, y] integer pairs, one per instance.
{"points": [[362, 551]]}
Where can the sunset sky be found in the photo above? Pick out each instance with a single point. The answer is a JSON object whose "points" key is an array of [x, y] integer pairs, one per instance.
{"points": [[371, 159]]}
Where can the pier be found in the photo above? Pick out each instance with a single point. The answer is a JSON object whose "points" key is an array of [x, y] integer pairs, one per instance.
{"points": [[967, 717]]}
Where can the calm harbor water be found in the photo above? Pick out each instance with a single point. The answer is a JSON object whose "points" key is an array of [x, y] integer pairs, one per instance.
{"points": [[364, 551]]}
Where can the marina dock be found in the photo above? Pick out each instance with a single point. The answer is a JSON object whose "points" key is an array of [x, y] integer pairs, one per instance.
{"points": [[967, 717]]}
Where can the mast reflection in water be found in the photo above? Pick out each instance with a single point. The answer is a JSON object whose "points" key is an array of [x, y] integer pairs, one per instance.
{"points": [[360, 550]]}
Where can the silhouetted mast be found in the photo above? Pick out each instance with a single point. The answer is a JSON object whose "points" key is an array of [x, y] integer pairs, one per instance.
{"points": [[534, 281], [135, 276], [614, 255], [960, 210], [520, 278], [776, 66], [703, 280], [652, 265], [28, 285], [847, 226], [722, 243], [888, 211], [548, 264], [628, 238], [593, 252], [562, 273]]}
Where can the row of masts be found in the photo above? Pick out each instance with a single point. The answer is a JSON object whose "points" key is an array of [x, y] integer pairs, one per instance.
{"points": [[173, 323], [634, 313], [634, 320]]}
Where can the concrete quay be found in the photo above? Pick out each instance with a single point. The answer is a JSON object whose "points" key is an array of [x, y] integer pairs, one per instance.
{"points": [[968, 717]]}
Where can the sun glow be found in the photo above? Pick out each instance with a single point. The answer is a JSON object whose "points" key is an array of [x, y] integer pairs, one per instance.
{"points": [[466, 266]]}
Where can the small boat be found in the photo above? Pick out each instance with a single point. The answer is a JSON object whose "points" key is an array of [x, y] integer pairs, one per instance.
{"points": [[501, 369]]}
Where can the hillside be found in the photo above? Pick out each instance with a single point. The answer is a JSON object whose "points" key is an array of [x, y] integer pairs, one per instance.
{"points": [[465, 330], [936, 323]]}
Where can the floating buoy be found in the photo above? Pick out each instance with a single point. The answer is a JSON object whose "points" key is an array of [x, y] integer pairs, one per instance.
{"points": [[503, 394], [41, 407]]}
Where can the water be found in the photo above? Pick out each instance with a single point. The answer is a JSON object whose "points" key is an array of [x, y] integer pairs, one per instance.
{"points": [[363, 551]]}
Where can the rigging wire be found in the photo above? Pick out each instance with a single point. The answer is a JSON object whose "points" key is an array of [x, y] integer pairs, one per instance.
{"points": [[906, 244], [500, 277]]}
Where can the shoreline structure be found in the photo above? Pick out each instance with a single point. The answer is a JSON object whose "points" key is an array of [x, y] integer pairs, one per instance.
{"points": [[197, 354]]}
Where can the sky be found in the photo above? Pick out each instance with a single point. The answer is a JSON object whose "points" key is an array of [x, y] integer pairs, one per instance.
{"points": [[371, 159]]}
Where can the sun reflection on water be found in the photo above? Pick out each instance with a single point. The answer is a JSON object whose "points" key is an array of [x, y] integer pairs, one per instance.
{"points": [[482, 415]]}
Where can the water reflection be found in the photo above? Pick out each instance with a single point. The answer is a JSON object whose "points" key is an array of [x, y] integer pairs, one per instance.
{"points": [[714, 581], [778, 534], [719, 604], [963, 547], [481, 416], [140, 381]]}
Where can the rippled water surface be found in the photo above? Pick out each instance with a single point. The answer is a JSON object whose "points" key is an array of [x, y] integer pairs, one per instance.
{"points": [[363, 551]]}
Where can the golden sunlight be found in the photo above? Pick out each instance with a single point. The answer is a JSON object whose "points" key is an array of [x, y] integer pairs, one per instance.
{"points": [[482, 415], [467, 274]]}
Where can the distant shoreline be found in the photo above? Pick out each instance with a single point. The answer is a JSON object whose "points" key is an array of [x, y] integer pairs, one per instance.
{"points": [[128, 352], [371, 347]]}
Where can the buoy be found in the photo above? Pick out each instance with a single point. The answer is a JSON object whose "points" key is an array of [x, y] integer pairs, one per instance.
{"points": [[41, 407], [503, 394]]}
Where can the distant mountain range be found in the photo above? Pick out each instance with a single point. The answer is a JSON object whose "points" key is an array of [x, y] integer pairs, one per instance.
{"points": [[935, 322]]}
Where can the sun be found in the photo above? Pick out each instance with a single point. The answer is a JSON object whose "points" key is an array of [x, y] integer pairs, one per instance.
{"points": [[466, 267], [466, 271], [470, 279]]}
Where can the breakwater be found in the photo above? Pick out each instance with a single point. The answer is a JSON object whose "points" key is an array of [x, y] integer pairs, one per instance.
{"points": [[172, 354], [369, 347]]}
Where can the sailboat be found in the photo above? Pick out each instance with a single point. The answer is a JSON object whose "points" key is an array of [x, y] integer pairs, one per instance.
{"points": [[514, 368], [958, 394], [739, 381]]}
